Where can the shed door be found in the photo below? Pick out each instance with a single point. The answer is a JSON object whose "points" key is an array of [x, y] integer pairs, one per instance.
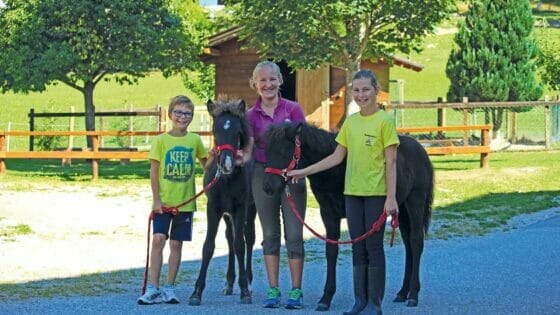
{"points": [[312, 92]]}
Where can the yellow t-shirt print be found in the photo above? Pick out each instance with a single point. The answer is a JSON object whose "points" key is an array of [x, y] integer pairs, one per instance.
{"points": [[179, 164]]}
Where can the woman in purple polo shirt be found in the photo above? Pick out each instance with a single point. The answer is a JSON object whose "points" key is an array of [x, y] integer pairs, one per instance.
{"points": [[271, 108]]}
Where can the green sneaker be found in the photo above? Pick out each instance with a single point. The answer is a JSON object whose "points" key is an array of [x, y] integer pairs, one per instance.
{"points": [[272, 298], [295, 301]]}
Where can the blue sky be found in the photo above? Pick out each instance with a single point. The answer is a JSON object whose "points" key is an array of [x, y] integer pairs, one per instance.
{"points": [[207, 2]]}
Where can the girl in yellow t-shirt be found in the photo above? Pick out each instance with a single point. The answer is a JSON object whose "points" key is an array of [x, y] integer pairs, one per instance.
{"points": [[368, 139]]}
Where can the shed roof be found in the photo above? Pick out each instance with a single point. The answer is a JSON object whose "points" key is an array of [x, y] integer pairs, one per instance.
{"points": [[214, 41]]}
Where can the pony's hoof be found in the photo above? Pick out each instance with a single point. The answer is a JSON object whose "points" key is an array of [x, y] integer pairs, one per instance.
{"points": [[194, 301], [412, 303], [321, 307], [246, 296], [399, 299], [228, 290]]}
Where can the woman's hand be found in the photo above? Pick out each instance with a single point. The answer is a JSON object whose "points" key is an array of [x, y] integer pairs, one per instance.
{"points": [[239, 158]]}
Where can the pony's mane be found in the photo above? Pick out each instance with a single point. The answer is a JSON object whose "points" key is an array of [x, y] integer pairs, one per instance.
{"points": [[321, 140], [227, 106], [223, 107]]}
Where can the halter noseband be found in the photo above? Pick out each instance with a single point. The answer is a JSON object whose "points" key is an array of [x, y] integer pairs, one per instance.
{"points": [[217, 150], [293, 162]]}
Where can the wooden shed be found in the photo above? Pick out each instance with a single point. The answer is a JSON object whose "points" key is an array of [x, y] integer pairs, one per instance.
{"points": [[320, 91]]}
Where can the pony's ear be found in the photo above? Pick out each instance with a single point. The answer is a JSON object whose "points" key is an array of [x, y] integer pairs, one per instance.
{"points": [[241, 106], [210, 106], [293, 129]]}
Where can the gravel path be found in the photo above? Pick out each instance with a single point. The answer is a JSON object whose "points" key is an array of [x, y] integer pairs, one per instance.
{"points": [[501, 273]]}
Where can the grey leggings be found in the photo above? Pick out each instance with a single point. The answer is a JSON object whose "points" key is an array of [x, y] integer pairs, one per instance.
{"points": [[361, 213], [269, 209]]}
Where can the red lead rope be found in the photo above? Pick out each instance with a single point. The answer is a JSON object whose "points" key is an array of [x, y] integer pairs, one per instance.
{"points": [[376, 227], [173, 210]]}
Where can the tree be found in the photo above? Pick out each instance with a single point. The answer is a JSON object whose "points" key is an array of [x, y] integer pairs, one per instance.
{"points": [[81, 42], [199, 78], [308, 34], [494, 56], [549, 64]]}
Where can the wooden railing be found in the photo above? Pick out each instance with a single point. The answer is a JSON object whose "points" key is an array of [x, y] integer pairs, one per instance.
{"points": [[94, 154], [448, 148]]}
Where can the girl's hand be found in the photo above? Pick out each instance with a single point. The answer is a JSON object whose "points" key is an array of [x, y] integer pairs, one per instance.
{"points": [[296, 175], [391, 206]]}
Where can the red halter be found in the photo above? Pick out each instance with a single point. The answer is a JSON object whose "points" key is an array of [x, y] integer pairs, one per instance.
{"points": [[293, 162], [217, 150]]}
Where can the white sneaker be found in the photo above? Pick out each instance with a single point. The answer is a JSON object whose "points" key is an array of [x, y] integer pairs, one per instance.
{"points": [[169, 296], [152, 296]]}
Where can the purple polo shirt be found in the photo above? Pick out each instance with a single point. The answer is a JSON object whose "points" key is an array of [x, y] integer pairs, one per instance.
{"points": [[259, 121]]}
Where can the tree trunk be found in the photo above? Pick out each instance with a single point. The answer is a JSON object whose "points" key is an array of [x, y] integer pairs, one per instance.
{"points": [[89, 86], [497, 119], [351, 68]]}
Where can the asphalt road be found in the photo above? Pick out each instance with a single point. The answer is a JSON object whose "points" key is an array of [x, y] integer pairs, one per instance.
{"points": [[517, 271]]}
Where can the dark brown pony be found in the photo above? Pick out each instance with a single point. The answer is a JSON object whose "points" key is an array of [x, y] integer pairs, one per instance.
{"points": [[414, 195], [229, 198]]}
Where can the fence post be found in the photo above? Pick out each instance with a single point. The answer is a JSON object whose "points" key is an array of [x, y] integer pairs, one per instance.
{"points": [[94, 161], [465, 121], [130, 126], [8, 138], [101, 128], [547, 124], [441, 118], [31, 126], [68, 161], [162, 118], [485, 141], [2, 162], [400, 83]]}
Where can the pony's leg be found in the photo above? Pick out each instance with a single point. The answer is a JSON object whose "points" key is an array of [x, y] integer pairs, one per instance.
{"points": [[249, 231], [332, 227], [404, 228], [415, 208], [239, 245], [213, 220], [230, 276]]}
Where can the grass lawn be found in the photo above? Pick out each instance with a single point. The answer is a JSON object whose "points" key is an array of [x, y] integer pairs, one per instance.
{"points": [[480, 199]]}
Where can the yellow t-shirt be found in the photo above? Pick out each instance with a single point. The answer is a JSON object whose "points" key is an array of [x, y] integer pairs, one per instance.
{"points": [[365, 139], [177, 157]]}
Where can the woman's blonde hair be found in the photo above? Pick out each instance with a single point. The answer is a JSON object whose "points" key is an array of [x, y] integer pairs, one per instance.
{"points": [[261, 65]]}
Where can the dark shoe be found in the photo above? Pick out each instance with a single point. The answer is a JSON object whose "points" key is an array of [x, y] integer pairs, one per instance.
{"points": [[360, 289], [376, 290]]}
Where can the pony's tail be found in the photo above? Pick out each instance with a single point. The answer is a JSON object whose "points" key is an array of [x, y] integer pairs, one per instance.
{"points": [[429, 198]]}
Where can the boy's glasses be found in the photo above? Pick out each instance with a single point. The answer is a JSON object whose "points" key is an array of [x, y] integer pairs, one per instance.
{"points": [[180, 113]]}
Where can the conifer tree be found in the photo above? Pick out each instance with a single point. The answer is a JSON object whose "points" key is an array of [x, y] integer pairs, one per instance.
{"points": [[494, 57]]}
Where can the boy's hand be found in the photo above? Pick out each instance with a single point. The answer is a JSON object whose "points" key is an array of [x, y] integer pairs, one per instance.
{"points": [[157, 207]]}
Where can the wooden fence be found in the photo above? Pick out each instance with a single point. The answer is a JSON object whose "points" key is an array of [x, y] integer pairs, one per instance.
{"points": [[448, 146], [467, 107], [158, 111], [95, 154]]}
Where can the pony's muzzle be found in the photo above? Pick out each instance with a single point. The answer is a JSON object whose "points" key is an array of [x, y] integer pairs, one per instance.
{"points": [[227, 164]]}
